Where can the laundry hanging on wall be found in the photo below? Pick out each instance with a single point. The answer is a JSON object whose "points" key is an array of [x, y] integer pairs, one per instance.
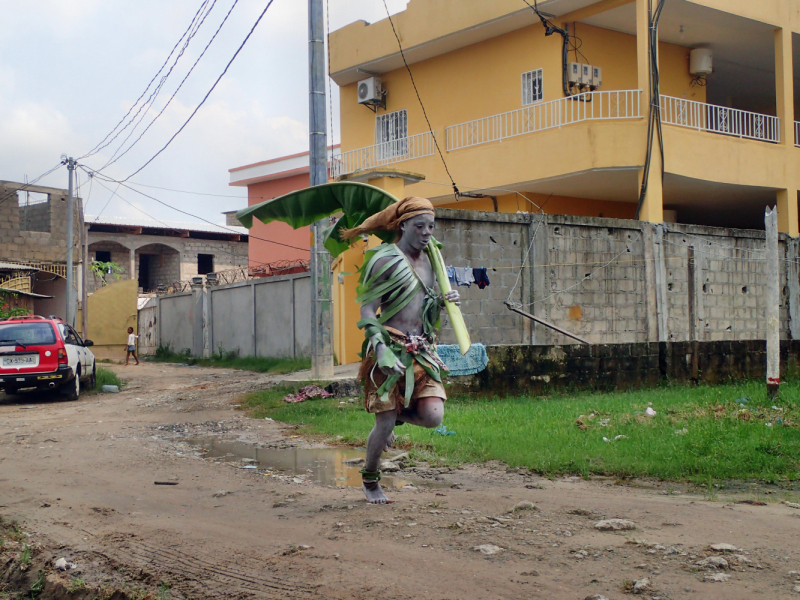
{"points": [[466, 276]]}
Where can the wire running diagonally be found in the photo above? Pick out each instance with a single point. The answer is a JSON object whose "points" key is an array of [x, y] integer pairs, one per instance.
{"points": [[419, 98], [106, 178], [208, 94], [102, 144], [14, 192], [172, 97]]}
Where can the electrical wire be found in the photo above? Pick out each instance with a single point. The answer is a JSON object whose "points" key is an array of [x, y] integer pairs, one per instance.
{"points": [[251, 236], [194, 112], [424, 112], [100, 145], [654, 118], [136, 141], [151, 100], [27, 185]]}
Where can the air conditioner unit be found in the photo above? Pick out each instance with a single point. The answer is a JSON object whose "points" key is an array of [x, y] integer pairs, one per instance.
{"points": [[574, 73], [370, 91]]}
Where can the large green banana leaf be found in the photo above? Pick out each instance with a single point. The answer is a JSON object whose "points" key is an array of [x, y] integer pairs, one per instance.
{"points": [[356, 202]]}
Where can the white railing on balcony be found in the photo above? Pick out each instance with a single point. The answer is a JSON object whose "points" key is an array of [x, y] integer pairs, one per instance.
{"points": [[719, 119], [797, 133], [590, 106], [414, 146]]}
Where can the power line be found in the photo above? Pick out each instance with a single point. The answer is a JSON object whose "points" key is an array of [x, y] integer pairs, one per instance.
{"points": [[27, 185], [99, 146], [424, 113], [136, 141], [123, 184], [194, 112]]}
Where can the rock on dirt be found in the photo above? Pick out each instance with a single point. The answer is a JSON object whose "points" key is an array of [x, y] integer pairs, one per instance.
{"points": [[595, 597], [488, 549], [796, 589], [716, 577], [523, 506], [713, 562], [61, 564], [615, 525], [724, 548], [642, 586], [791, 504]]}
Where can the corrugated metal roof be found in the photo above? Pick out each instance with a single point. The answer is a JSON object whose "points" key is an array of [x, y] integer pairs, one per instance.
{"points": [[20, 293], [126, 222], [7, 266]]}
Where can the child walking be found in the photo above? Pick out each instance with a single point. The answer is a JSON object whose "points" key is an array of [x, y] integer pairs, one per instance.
{"points": [[131, 346]]}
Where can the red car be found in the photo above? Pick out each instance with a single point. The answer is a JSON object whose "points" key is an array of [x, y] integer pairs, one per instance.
{"points": [[44, 353]]}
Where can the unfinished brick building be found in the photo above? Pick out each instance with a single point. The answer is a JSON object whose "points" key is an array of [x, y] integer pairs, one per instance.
{"points": [[162, 253], [33, 231]]}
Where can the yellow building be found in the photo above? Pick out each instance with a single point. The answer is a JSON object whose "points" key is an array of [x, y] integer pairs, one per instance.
{"points": [[517, 136]]}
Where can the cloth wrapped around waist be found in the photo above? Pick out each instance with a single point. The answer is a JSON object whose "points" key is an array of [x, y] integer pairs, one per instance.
{"points": [[422, 376]]}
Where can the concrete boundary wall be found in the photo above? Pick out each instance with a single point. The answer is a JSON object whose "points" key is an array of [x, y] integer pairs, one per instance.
{"points": [[542, 370], [268, 317], [615, 281]]}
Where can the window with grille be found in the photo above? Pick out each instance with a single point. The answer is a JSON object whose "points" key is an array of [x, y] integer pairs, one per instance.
{"points": [[391, 133], [532, 87]]}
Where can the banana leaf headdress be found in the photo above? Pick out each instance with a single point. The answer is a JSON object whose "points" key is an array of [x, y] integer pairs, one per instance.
{"points": [[363, 209]]}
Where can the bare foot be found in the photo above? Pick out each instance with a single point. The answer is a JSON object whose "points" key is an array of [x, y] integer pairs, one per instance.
{"points": [[390, 442], [374, 493]]}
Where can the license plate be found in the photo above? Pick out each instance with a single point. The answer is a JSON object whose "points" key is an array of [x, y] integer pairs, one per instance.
{"points": [[20, 361]]}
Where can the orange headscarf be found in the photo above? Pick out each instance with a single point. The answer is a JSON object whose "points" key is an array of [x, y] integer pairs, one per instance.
{"points": [[389, 219]]}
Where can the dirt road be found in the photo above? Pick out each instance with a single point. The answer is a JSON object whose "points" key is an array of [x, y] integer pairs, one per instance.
{"points": [[80, 478]]}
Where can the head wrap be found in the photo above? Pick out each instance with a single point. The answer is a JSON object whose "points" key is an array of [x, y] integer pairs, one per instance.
{"points": [[390, 218]]}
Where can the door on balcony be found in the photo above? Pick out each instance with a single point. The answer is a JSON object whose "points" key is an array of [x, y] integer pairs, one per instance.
{"points": [[391, 133]]}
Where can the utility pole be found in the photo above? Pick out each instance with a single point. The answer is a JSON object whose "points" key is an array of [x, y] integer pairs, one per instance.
{"points": [[772, 271], [70, 312], [321, 306]]}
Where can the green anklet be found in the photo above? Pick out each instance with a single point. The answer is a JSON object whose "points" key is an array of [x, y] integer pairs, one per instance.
{"points": [[371, 475]]}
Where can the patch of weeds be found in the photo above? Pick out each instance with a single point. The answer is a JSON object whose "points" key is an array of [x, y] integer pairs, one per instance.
{"points": [[107, 377], [25, 556], [164, 592], [76, 585], [627, 587], [38, 586]]}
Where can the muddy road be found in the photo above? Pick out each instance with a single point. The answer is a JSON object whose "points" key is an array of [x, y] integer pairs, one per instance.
{"points": [[154, 488]]}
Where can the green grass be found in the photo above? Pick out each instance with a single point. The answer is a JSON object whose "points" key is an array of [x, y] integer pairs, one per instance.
{"points": [[107, 377], [723, 439], [231, 360]]}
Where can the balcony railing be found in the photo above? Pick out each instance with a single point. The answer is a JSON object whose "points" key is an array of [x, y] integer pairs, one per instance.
{"points": [[719, 119], [591, 106], [797, 133], [415, 146]]}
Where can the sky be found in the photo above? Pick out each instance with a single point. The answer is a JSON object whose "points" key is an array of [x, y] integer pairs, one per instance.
{"points": [[71, 69]]}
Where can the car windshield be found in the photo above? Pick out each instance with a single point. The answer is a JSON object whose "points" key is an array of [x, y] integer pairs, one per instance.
{"points": [[30, 334]]}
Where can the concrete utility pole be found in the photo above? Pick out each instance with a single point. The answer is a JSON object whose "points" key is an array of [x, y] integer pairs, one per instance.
{"points": [[773, 271], [70, 312], [321, 308]]}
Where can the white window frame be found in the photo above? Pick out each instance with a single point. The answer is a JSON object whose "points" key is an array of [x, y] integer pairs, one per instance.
{"points": [[532, 87], [391, 134]]}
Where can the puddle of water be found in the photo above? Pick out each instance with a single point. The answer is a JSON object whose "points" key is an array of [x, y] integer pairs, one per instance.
{"points": [[321, 465]]}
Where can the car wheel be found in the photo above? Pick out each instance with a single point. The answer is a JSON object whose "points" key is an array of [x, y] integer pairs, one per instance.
{"points": [[90, 385], [72, 390]]}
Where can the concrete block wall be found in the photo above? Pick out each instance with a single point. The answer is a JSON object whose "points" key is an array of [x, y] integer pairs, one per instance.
{"points": [[613, 281], [35, 217], [46, 246], [497, 241], [119, 255], [261, 317], [227, 255]]}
